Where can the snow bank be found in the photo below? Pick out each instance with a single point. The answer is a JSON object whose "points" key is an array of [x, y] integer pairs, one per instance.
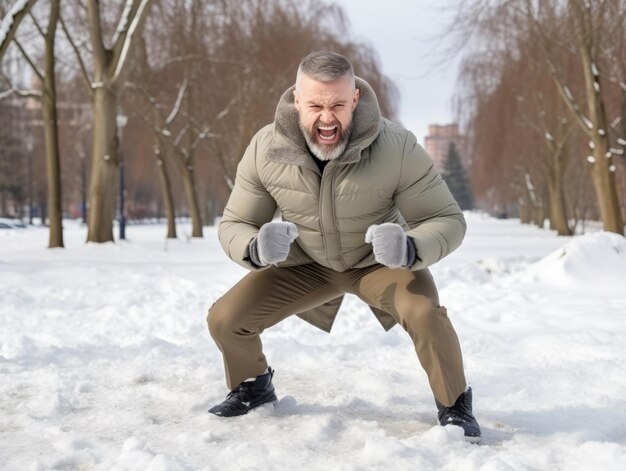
{"points": [[106, 362], [593, 261]]}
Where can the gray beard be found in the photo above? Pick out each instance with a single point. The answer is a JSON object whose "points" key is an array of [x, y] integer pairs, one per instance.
{"points": [[326, 154]]}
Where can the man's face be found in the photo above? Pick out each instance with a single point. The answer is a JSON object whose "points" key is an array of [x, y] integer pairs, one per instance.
{"points": [[325, 110]]}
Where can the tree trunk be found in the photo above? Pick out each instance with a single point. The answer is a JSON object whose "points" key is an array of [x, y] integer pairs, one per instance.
{"points": [[606, 190], [192, 199], [168, 199], [109, 65], [43, 210], [558, 212], [104, 167], [53, 161], [524, 212], [603, 178], [539, 216], [556, 194]]}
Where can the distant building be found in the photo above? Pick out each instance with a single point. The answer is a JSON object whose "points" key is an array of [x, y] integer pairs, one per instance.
{"points": [[438, 142]]}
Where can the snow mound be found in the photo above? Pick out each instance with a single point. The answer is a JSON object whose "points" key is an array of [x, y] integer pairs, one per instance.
{"points": [[597, 259]]}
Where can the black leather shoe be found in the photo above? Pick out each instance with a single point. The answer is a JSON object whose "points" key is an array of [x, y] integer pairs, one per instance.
{"points": [[460, 414], [247, 396]]}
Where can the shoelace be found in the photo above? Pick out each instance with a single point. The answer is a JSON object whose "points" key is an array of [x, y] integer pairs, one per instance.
{"points": [[458, 413], [454, 417], [241, 393]]}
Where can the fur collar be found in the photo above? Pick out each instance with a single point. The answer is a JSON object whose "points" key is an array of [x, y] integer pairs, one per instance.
{"points": [[289, 147]]}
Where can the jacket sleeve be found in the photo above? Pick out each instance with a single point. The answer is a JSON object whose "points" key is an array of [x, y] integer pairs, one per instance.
{"points": [[249, 206], [436, 223]]}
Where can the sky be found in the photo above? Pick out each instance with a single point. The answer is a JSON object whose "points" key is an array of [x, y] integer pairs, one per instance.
{"points": [[407, 36]]}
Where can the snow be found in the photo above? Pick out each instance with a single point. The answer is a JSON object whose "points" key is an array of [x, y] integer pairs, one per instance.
{"points": [[6, 93], [179, 100], [124, 21], [616, 121], [568, 93], [106, 362], [129, 37], [9, 18]]}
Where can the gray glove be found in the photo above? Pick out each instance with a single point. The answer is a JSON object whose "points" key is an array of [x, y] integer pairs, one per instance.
{"points": [[272, 243], [391, 246]]}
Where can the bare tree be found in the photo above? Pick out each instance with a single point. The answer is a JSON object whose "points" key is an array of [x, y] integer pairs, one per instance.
{"points": [[541, 110], [47, 80], [109, 65], [585, 21], [216, 72], [179, 128], [144, 100], [545, 41]]}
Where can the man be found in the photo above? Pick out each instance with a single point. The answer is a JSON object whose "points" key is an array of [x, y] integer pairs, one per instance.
{"points": [[363, 211]]}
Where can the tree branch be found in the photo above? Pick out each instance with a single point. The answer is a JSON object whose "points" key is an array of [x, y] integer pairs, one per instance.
{"points": [[95, 30], [28, 59], [20, 93], [554, 71], [81, 63], [36, 23], [11, 22], [571, 104], [6, 93], [121, 48]]}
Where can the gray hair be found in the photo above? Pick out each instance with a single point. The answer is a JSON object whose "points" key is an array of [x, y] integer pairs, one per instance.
{"points": [[325, 66]]}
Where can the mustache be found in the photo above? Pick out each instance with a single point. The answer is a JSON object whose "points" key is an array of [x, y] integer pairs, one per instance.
{"points": [[318, 123]]}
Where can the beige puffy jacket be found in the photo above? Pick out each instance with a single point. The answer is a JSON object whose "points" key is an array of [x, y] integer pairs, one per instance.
{"points": [[384, 175]]}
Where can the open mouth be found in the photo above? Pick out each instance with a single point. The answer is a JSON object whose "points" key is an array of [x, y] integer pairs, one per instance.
{"points": [[328, 134]]}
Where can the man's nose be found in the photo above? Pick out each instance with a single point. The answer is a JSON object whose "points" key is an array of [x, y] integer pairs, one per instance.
{"points": [[327, 117]]}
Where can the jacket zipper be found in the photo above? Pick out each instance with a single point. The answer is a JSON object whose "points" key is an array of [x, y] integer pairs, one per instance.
{"points": [[331, 166], [321, 210], [334, 216]]}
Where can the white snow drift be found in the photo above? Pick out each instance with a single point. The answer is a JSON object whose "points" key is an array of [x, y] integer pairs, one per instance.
{"points": [[105, 361]]}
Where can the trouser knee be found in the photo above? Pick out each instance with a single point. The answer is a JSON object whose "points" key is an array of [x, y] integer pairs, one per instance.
{"points": [[218, 321], [424, 317]]}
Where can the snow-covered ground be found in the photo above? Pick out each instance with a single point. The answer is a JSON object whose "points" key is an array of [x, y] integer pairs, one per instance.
{"points": [[106, 363]]}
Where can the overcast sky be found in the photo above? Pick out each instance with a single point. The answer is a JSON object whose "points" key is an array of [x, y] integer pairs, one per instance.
{"points": [[404, 34]]}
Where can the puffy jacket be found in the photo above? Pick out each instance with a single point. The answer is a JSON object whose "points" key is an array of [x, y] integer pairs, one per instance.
{"points": [[384, 175]]}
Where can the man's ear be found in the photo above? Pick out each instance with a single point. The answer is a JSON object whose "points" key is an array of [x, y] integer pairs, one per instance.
{"points": [[296, 100], [355, 99]]}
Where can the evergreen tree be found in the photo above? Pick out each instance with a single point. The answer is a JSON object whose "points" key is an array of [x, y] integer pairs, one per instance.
{"points": [[456, 177]]}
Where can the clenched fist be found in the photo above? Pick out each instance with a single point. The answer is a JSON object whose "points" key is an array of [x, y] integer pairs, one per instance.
{"points": [[273, 241], [390, 245]]}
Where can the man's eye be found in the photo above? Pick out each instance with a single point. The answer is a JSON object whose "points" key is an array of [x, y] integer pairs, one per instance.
{"points": [[340, 105], [315, 107]]}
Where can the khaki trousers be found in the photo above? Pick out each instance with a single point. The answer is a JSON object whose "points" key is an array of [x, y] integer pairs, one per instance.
{"points": [[264, 298]]}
